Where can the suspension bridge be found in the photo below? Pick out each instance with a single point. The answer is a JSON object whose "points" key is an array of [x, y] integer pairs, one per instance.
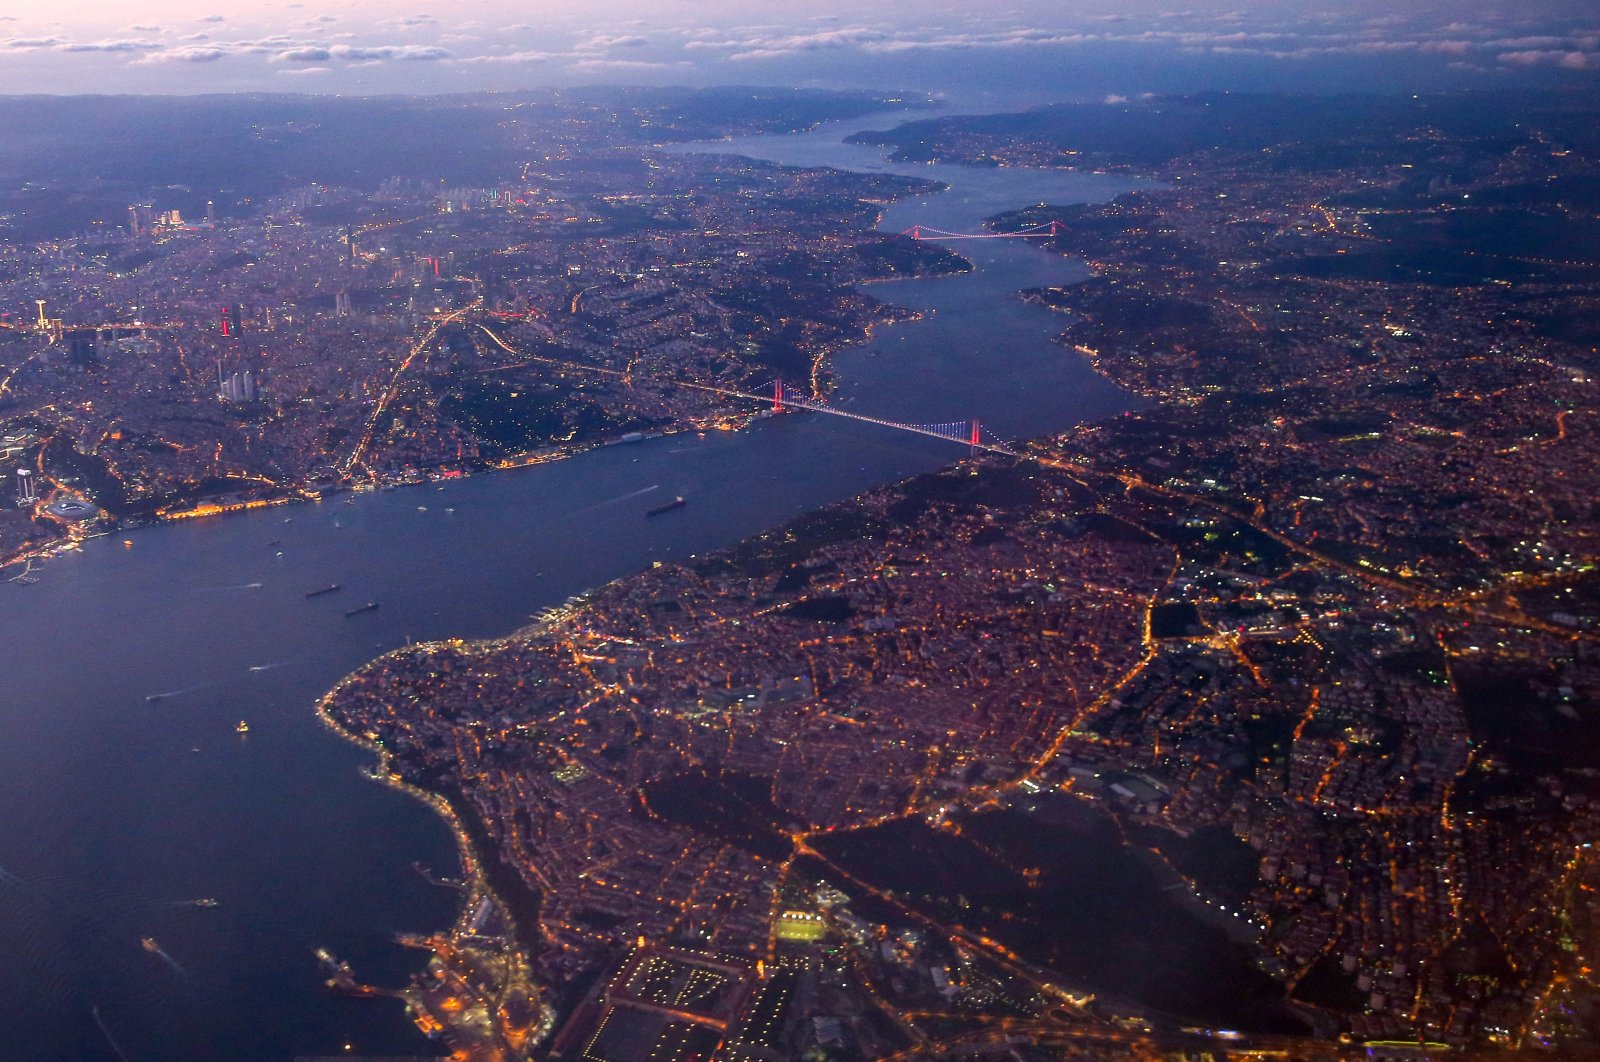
{"points": [[928, 232], [967, 432], [780, 398]]}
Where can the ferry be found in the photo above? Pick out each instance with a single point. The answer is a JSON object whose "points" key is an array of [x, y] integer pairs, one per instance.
{"points": [[342, 979], [676, 503], [330, 588], [368, 607]]}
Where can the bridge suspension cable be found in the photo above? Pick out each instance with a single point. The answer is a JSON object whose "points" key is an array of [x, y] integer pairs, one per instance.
{"points": [[969, 433], [928, 232]]}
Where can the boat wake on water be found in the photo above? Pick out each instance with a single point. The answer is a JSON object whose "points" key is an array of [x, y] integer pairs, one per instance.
{"points": [[8, 878], [166, 694], [269, 667], [620, 498], [116, 1048], [155, 949], [228, 589]]}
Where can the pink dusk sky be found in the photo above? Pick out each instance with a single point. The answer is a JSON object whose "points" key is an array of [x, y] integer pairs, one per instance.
{"points": [[417, 46]]}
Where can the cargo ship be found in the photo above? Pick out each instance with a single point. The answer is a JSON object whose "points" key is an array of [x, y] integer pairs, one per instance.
{"points": [[667, 507], [368, 607], [325, 590]]}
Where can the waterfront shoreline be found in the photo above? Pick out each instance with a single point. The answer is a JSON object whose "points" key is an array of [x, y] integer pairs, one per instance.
{"points": [[476, 886], [70, 543], [824, 372], [439, 576], [302, 493]]}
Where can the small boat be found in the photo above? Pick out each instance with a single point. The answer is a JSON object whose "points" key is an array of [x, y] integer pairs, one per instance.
{"points": [[242, 728], [330, 588], [368, 607], [206, 902], [153, 698], [150, 945], [676, 503]]}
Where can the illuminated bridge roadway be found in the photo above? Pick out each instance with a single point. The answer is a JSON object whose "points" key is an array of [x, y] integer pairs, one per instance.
{"points": [[968, 433]]}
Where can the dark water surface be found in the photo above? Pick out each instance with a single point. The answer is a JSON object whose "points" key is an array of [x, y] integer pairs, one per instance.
{"points": [[1094, 910], [115, 809]]}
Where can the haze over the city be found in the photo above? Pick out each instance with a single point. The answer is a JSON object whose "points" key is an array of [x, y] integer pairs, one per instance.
{"points": [[1082, 48]]}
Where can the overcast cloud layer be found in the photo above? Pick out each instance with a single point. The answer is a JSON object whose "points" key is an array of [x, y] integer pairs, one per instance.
{"points": [[1062, 49]]}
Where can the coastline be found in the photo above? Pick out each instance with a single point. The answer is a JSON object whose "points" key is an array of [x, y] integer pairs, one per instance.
{"points": [[474, 854], [303, 493], [477, 888], [303, 496], [457, 813], [472, 875]]}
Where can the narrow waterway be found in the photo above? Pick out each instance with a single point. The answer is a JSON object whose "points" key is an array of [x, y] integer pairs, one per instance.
{"points": [[116, 808]]}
